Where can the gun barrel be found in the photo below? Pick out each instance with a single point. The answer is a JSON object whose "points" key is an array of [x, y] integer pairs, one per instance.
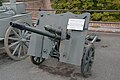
{"points": [[52, 30], [34, 30]]}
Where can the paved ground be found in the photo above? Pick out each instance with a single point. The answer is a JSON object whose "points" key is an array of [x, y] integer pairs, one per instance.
{"points": [[106, 65]]}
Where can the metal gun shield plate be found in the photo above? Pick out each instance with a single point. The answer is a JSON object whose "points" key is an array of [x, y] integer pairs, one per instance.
{"points": [[71, 51]]}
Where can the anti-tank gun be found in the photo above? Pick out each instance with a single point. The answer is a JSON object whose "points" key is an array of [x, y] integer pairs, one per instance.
{"points": [[62, 36], [54, 34]]}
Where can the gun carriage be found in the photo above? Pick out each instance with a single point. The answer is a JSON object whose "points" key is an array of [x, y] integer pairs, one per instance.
{"points": [[15, 41], [61, 36]]}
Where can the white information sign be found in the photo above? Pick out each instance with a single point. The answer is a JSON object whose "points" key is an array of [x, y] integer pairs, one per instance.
{"points": [[76, 24]]}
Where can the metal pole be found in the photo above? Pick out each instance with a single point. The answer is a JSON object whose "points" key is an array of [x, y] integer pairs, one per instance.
{"points": [[94, 39], [79, 10]]}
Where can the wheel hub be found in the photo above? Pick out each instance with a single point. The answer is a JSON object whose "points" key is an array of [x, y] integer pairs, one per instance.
{"points": [[23, 39]]}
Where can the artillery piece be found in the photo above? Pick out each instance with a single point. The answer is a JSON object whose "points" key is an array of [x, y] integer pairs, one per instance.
{"points": [[61, 36], [14, 40]]}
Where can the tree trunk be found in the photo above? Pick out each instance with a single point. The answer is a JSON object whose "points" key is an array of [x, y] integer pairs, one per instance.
{"points": [[45, 4]]}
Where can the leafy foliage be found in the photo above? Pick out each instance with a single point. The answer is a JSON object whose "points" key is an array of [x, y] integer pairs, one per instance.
{"points": [[0, 2], [92, 5]]}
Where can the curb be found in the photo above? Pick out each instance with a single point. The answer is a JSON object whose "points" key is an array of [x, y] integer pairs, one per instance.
{"points": [[105, 29]]}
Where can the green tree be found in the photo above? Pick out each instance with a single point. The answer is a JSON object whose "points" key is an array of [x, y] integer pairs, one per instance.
{"points": [[92, 5], [0, 2]]}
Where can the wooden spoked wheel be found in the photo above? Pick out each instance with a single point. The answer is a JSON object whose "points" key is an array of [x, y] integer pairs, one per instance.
{"points": [[16, 43]]}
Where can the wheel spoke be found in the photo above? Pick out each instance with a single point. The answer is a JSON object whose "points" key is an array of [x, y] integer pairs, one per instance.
{"points": [[13, 44], [40, 59], [20, 33], [11, 38], [37, 60], [91, 56], [87, 56], [91, 59], [28, 35], [25, 33], [15, 33], [19, 51], [25, 44], [86, 67], [15, 49], [24, 51], [27, 40], [86, 62], [91, 53]]}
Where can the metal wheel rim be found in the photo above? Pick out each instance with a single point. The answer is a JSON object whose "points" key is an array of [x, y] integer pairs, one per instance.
{"points": [[37, 60], [87, 61], [18, 43]]}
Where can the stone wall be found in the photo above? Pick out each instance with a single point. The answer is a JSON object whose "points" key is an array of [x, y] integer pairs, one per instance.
{"points": [[33, 5]]}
